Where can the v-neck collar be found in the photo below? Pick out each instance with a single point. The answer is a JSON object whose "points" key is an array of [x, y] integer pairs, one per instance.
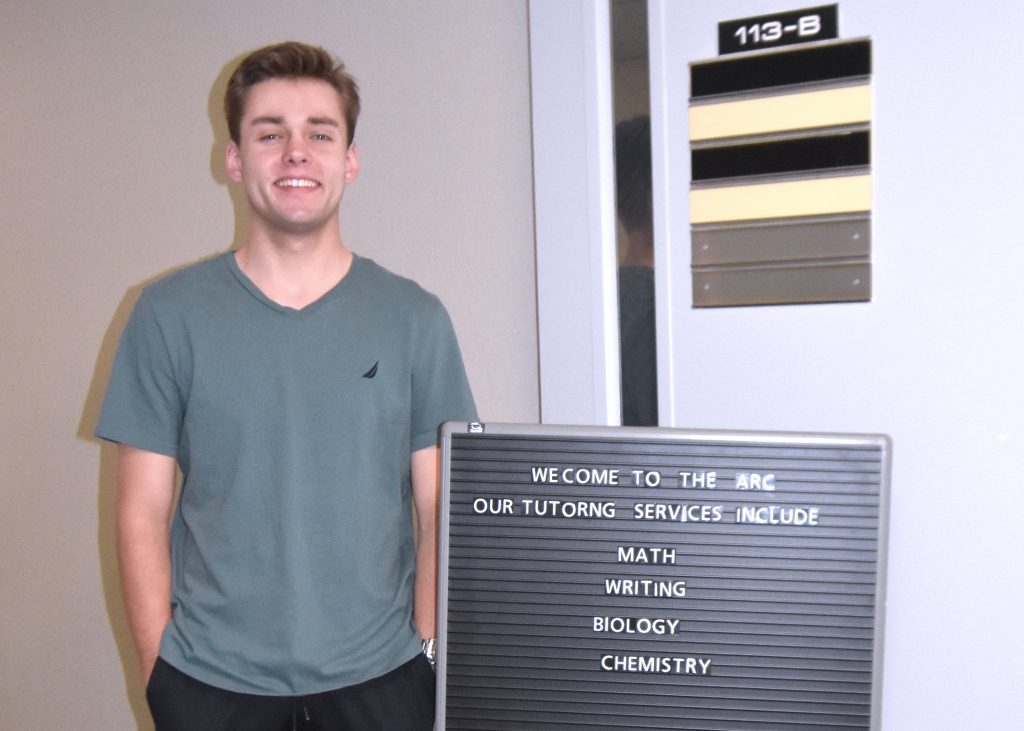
{"points": [[313, 306]]}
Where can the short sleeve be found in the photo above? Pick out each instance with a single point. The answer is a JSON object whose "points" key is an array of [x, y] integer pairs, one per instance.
{"points": [[440, 388], [143, 406]]}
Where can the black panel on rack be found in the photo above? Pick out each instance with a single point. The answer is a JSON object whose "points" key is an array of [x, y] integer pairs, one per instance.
{"points": [[616, 578], [778, 157], [758, 72]]}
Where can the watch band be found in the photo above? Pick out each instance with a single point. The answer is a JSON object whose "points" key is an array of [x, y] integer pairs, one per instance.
{"points": [[429, 648]]}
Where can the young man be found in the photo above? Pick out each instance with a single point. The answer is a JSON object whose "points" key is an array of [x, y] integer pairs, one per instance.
{"points": [[299, 388]]}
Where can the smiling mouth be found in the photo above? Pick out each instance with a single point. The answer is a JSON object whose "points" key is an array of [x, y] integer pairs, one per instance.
{"points": [[296, 183]]}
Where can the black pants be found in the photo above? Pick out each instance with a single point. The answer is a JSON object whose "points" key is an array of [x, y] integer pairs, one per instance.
{"points": [[402, 700]]}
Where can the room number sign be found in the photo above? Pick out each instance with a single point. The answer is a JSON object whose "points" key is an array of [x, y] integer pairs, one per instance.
{"points": [[780, 29]]}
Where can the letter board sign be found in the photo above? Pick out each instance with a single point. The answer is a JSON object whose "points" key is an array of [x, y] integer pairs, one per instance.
{"points": [[626, 578]]}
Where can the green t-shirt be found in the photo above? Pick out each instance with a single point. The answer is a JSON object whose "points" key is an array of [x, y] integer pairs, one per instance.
{"points": [[292, 545]]}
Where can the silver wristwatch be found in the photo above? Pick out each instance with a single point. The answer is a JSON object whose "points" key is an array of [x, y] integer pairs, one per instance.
{"points": [[430, 650]]}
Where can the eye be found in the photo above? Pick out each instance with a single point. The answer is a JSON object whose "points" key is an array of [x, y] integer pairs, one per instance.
{"points": [[270, 136], [321, 137]]}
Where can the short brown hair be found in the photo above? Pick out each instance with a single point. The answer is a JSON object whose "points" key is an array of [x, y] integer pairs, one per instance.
{"points": [[289, 60]]}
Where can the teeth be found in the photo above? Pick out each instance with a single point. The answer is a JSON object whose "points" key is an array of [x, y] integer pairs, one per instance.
{"points": [[294, 183]]}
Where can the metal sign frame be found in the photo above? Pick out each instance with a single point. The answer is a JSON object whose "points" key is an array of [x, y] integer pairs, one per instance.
{"points": [[616, 577]]}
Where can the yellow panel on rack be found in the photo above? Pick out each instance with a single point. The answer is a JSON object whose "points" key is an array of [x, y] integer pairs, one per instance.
{"points": [[781, 113], [814, 197]]}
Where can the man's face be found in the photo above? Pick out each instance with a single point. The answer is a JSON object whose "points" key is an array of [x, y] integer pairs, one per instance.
{"points": [[293, 155]]}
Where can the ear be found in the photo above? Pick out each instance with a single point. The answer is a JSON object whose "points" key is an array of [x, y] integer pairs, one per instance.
{"points": [[351, 163], [233, 161]]}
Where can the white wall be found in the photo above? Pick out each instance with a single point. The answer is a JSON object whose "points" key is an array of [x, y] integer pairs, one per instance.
{"points": [[574, 179], [934, 360], [112, 135]]}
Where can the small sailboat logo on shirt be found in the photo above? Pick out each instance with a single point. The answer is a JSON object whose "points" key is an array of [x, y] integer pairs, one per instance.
{"points": [[372, 372]]}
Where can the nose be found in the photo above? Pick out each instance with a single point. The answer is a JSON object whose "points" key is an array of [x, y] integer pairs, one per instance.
{"points": [[296, 152]]}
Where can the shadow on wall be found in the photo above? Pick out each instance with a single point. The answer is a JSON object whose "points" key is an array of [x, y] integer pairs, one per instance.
{"points": [[219, 127], [106, 499], [106, 496]]}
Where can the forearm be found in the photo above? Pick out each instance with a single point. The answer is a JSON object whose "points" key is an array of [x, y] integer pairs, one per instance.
{"points": [[144, 561], [425, 496], [145, 494], [425, 608]]}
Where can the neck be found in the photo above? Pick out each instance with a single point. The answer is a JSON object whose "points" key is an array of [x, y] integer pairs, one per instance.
{"points": [[294, 270]]}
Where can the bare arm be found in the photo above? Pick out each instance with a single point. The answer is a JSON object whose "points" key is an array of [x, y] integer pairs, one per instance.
{"points": [[145, 496], [425, 497]]}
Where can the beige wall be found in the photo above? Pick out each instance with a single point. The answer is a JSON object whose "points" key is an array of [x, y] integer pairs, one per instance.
{"points": [[111, 175]]}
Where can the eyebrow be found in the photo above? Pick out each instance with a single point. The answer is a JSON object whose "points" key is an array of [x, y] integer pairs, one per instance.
{"points": [[328, 121]]}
